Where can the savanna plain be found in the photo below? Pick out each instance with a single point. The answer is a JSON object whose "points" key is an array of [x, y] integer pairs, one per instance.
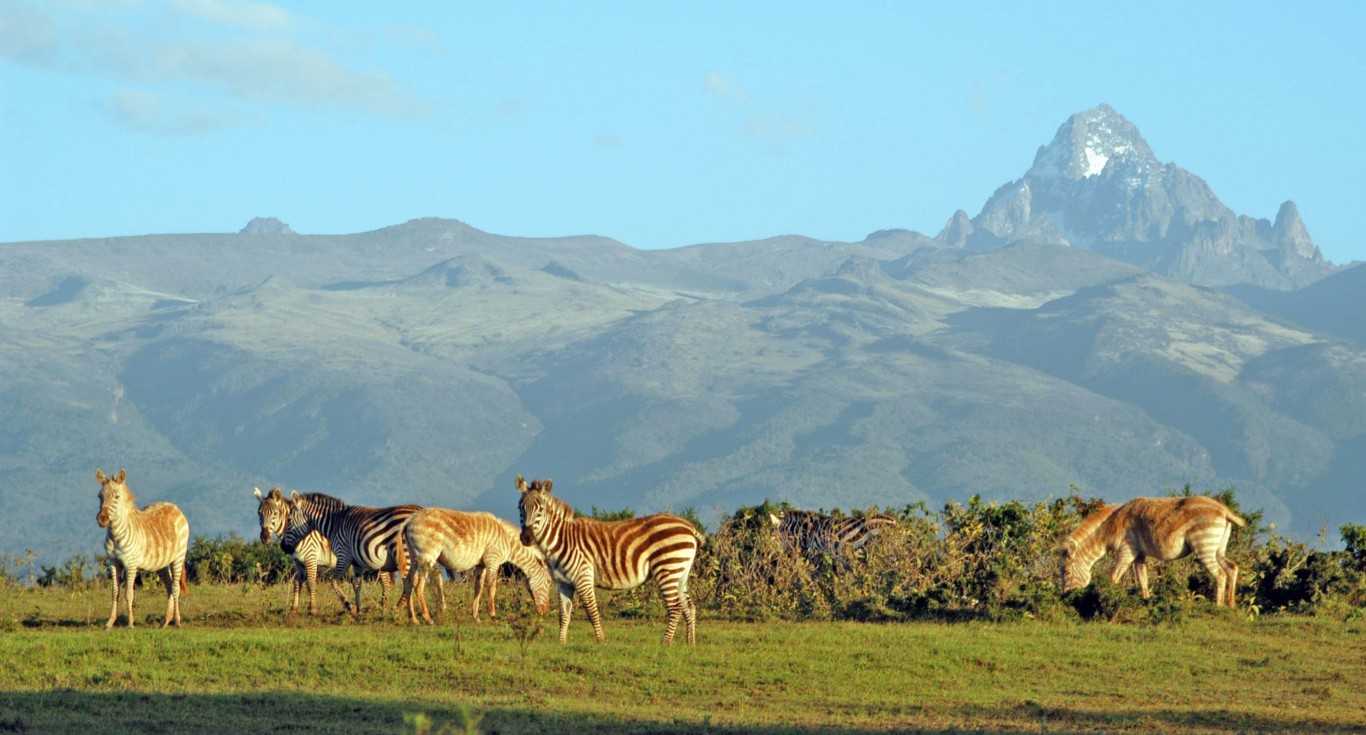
{"points": [[243, 663]]}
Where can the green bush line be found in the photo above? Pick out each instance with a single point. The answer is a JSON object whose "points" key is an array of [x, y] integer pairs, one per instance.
{"points": [[973, 560]]}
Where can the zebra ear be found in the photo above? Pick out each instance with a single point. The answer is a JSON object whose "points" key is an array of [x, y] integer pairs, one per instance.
{"points": [[100, 476], [121, 476], [774, 519], [521, 483], [258, 492]]}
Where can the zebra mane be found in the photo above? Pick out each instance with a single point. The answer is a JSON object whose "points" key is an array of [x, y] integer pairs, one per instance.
{"points": [[566, 509], [322, 503], [1088, 528]]}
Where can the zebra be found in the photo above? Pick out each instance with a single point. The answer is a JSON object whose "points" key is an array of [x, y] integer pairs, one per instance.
{"points": [[584, 553], [460, 542], [363, 538], [310, 551], [156, 538], [1161, 529], [813, 534]]}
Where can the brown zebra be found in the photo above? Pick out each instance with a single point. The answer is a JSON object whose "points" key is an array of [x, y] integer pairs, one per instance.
{"points": [[156, 539], [1159, 529], [813, 534], [460, 542], [584, 553]]}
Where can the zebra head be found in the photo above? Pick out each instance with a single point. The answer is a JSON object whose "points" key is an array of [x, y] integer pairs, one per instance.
{"points": [[1073, 574], [115, 497], [273, 512], [537, 509]]}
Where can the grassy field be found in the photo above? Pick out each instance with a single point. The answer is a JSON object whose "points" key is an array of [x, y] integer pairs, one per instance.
{"points": [[240, 665]]}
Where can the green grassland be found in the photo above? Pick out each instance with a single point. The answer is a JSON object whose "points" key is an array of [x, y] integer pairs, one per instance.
{"points": [[242, 665]]}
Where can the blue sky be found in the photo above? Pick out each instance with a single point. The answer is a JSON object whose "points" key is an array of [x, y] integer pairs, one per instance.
{"points": [[659, 126]]}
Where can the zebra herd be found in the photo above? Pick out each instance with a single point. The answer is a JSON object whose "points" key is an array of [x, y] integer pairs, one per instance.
{"points": [[576, 556]]}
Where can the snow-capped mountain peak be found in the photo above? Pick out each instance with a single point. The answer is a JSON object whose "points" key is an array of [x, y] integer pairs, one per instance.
{"points": [[1086, 143]]}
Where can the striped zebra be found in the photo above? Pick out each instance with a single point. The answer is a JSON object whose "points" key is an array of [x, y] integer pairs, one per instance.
{"points": [[363, 538], [1158, 529], [156, 538], [813, 534], [461, 542], [310, 551], [584, 553]]}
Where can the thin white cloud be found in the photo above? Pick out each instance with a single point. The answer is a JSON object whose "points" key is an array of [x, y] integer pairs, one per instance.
{"points": [[261, 68], [27, 36], [776, 128], [756, 122], [144, 112], [608, 140], [722, 86], [259, 16]]}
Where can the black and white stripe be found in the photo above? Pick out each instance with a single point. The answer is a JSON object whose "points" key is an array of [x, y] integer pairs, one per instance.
{"points": [[813, 534], [362, 538]]}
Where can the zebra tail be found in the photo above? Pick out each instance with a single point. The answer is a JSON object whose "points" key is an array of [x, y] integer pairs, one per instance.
{"points": [[184, 586], [701, 537], [1235, 520]]}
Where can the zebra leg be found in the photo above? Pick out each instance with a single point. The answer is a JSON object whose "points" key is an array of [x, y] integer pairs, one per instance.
{"points": [[584, 587], [130, 579], [311, 577], [494, 574], [296, 582], [355, 584], [479, 575], [441, 590], [167, 581], [177, 576], [1210, 561], [1123, 560], [422, 575], [690, 618], [1231, 571], [689, 610], [675, 614], [385, 580], [566, 609], [1141, 571], [113, 611]]}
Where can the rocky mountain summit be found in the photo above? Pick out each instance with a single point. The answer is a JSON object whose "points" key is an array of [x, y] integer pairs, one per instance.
{"points": [[1098, 185], [266, 226]]}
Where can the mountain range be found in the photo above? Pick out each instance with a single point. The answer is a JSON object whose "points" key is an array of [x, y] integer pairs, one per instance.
{"points": [[1104, 322]]}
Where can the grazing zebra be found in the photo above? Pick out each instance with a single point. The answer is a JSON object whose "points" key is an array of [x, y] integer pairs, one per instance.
{"points": [[813, 534], [366, 539], [156, 538], [460, 542], [310, 550], [1160, 529], [584, 553]]}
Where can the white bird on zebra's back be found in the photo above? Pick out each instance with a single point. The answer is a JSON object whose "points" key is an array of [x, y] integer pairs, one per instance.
{"points": [[1153, 529], [459, 542], [155, 538], [584, 553]]}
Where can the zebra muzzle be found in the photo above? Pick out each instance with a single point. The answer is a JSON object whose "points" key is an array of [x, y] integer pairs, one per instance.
{"points": [[102, 518]]}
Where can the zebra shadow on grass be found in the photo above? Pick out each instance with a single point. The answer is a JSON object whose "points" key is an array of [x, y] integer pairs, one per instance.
{"points": [[67, 710]]}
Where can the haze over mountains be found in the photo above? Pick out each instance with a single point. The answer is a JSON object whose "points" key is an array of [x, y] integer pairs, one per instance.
{"points": [[1103, 321]]}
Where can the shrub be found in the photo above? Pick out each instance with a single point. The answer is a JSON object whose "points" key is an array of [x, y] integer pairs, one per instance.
{"points": [[232, 559]]}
